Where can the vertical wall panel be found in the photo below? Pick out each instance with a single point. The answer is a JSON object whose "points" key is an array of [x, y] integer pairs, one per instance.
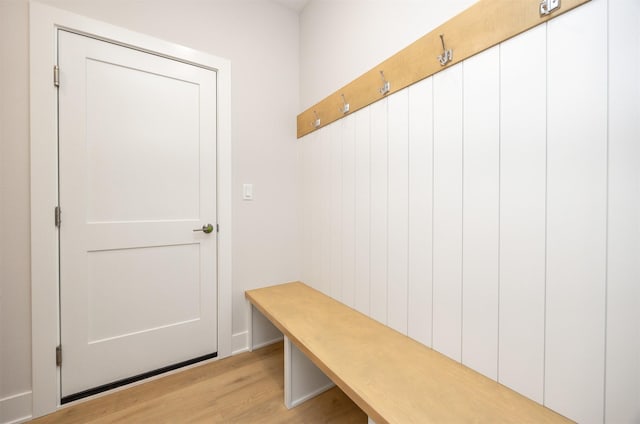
{"points": [[335, 215], [379, 202], [324, 195], [315, 273], [576, 212], [420, 208], [523, 140], [305, 163], [312, 274], [623, 273], [480, 225], [398, 210], [362, 209], [447, 212], [348, 210]]}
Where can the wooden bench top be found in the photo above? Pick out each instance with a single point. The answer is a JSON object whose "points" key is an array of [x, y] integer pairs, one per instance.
{"points": [[387, 374]]}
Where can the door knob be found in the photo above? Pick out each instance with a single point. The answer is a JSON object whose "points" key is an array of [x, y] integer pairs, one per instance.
{"points": [[205, 228]]}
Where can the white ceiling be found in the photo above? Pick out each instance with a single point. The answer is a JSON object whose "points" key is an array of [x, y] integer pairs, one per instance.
{"points": [[295, 5]]}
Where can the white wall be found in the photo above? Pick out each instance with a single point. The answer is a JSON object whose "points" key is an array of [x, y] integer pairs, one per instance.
{"points": [[15, 302], [491, 211], [261, 40]]}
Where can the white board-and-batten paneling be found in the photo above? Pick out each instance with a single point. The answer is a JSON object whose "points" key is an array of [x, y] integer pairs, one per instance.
{"points": [[379, 211], [317, 213], [576, 213], [622, 384], [347, 289], [420, 277], [324, 205], [306, 209], [491, 212], [447, 211], [362, 272], [335, 214], [523, 88], [398, 256], [480, 224]]}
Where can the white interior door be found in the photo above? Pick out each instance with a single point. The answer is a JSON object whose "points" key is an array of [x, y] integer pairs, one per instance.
{"points": [[137, 175]]}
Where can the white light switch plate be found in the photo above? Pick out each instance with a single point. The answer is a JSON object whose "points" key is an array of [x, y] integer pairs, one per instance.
{"points": [[247, 192]]}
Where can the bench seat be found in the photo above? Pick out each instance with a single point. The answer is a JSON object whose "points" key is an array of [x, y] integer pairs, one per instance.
{"points": [[391, 377]]}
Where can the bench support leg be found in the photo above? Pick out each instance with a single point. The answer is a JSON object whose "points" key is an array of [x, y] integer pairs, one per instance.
{"points": [[302, 379]]}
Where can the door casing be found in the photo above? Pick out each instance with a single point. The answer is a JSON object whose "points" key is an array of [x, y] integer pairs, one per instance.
{"points": [[44, 24]]}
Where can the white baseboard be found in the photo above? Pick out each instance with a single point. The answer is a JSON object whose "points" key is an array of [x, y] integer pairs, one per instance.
{"points": [[268, 342], [16, 409], [240, 343]]}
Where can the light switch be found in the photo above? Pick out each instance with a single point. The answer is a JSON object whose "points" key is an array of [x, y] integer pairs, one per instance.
{"points": [[247, 192]]}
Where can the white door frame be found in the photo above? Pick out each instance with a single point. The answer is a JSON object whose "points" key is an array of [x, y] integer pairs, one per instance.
{"points": [[44, 24]]}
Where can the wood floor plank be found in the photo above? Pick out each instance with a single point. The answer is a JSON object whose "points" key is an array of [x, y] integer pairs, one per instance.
{"points": [[247, 388]]}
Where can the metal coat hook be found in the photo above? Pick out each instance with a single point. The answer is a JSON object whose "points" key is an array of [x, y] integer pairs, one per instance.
{"points": [[316, 122], [447, 55], [345, 106], [386, 86], [548, 6]]}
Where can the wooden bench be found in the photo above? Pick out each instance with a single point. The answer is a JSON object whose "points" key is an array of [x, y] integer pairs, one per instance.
{"points": [[391, 377]]}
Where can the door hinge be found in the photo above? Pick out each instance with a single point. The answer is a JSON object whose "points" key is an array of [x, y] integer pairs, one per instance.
{"points": [[217, 228], [56, 75], [58, 216], [58, 355]]}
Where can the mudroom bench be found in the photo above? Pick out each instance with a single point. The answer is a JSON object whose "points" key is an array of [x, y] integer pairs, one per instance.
{"points": [[391, 377]]}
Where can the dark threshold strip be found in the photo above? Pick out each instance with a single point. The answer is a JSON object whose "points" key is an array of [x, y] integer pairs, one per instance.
{"points": [[129, 380]]}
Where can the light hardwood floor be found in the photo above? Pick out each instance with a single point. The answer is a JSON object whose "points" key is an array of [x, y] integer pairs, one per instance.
{"points": [[247, 388]]}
